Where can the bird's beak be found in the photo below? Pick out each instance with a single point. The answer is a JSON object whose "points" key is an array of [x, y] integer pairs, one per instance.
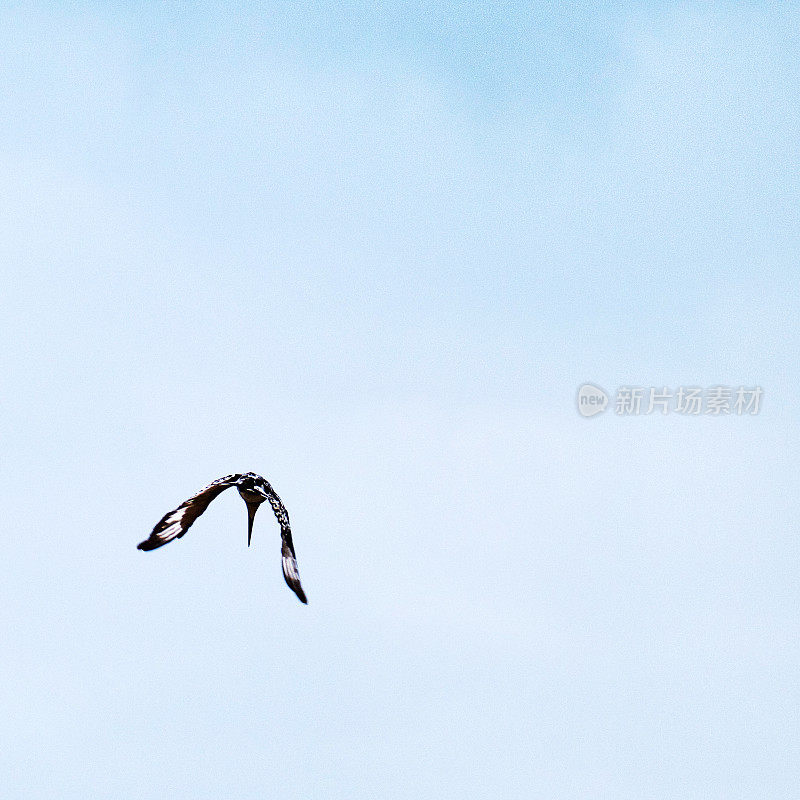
{"points": [[251, 515]]}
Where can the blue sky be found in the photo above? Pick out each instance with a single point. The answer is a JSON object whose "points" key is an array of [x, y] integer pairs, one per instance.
{"points": [[371, 251]]}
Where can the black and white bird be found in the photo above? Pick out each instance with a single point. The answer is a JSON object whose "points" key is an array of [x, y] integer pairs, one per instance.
{"points": [[254, 490]]}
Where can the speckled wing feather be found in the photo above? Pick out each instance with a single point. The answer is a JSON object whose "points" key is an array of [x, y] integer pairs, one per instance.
{"points": [[291, 574], [174, 524]]}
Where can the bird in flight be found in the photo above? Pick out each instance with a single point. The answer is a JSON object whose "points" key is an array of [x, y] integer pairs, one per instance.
{"points": [[254, 490]]}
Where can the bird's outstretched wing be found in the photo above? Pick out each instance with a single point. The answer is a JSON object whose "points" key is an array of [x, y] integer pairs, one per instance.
{"points": [[177, 522], [290, 572]]}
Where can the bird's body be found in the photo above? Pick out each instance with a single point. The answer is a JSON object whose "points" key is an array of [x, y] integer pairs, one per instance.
{"points": [[254, 490]]}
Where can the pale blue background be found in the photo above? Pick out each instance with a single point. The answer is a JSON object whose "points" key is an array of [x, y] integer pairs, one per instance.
{"points": [[371, 252]]}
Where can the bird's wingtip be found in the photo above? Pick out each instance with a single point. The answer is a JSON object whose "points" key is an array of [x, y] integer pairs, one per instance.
{"points": [[147, 544]]}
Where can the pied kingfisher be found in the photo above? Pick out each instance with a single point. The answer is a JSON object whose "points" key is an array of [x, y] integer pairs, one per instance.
{"points": [[254, 490]]}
